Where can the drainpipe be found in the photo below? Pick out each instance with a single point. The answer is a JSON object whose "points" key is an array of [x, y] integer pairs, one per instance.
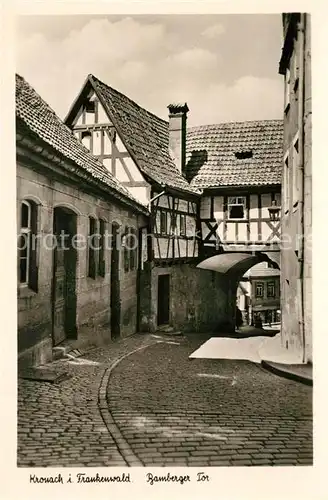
{"points": [[300, 281]]}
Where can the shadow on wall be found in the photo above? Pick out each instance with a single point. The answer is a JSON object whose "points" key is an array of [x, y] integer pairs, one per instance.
{"points": [[195, 163]]}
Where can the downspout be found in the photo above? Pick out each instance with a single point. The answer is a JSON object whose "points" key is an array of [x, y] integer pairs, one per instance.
{"points": [[300, 281]]}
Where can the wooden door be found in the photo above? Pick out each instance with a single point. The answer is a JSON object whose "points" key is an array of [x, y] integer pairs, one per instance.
{"points": [[163, 302], [64, 278], [59, 294]]}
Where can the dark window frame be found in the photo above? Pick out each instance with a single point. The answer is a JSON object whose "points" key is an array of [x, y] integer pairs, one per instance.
{"points": [[271, 285], [163, 222], [183, 226], [259, 285], [92, 254], [29, 277], [101, 250]]}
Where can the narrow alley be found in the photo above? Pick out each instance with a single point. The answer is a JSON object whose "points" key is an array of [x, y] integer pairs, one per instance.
{"points": [[141, 401]]}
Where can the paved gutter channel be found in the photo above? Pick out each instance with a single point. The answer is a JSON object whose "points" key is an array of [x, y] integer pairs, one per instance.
{"points": [[123, 446]]}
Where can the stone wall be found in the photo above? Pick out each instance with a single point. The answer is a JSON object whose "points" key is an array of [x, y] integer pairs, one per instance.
{"points": [[308, 194], [296, 274], [200, 300], [93, 295]]}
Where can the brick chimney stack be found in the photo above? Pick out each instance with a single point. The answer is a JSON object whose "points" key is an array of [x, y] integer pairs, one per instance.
{"points": [[178, 134]]}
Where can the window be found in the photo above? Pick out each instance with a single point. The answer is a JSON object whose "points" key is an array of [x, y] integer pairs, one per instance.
{"points": [[173, 223], [182, 225], [133, 249], [295, 170], [286, 187], [236, 207], [287, 90], [101, 251], [271, 289], [163, 222], [90, 107], [295, 70], [86, 139], [28, 272], [259, 290], [92, 244], [130, 245]]}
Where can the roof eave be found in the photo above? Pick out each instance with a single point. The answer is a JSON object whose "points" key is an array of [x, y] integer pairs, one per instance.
{"points": [[226, 187], [121, 197]]}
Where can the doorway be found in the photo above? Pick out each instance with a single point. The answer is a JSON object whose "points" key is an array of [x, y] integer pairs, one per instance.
{"points": [[64, 277], [115, 293], [163, 300]]}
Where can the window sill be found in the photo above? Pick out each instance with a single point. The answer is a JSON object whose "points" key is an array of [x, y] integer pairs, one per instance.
{"points": [[25, 292], [237, 220]]}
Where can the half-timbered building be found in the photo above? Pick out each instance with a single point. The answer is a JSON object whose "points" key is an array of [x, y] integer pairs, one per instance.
{"points": [[238, 168], [148, 156], [210, 190]]}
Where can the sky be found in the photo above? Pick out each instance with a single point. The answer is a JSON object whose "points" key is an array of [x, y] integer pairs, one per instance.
{"points": [[224, 66]]}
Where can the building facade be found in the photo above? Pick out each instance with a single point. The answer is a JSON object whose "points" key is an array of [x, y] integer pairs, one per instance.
{"points": [[66, 286], [265, 294], [296, 248]]}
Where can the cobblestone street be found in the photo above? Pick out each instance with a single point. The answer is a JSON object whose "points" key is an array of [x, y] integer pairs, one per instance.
{"points": [[141, 401]]}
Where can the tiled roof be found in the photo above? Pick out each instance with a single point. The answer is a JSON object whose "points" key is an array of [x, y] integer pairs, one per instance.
{"points": [[211, 159], [145, 135], [37, 115]]}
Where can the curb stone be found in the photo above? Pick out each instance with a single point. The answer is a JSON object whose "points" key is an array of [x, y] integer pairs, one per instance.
{"points": [[286, 374]]}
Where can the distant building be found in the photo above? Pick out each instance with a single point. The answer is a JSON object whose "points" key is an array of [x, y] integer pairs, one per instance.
{"points": [[258, 294], [296, 217], [265, 294]]}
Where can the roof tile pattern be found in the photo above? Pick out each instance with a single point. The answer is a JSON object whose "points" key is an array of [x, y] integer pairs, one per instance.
{"points": [[211, 159], [42, 120], [145, 135]]}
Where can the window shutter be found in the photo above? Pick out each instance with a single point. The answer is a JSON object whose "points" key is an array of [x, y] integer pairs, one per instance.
{"points": [[101, 264], [91, 250], [33, 276], [126, 250], [131, 249]]}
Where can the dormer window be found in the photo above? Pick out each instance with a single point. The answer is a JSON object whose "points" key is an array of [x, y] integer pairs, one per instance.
{"points": [[243, 155]]}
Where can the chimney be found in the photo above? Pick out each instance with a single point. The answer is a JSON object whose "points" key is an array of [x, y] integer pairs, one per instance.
{"points": [[178, 134]]}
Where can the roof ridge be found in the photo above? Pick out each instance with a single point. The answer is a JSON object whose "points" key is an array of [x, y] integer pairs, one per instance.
{"points": [[278, 120], [128, 98]]}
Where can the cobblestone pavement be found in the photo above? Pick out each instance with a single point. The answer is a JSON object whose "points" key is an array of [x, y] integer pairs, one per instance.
{"points": [[60, 424], [168, 411], [176, 411]]}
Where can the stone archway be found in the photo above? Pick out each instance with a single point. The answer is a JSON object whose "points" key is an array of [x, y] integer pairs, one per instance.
{"points": [[232, 266]]}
